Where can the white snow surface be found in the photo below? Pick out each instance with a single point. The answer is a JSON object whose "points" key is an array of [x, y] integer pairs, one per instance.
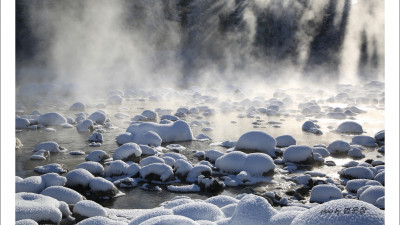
{"points": [[169, 220], [97, 156], [350, 127], [85, 126], [63, 194], [26, 222], [39, 207], [324, 193], [50, 168], [51, 119], [285, 141], [197, 171], [340, 211], [21, 123], [199, 211], [50, 146], [126, 150], [222, 200], [184, 188], [257, 140], [372, 193], [100, 184], [380, 177], [98, 117], [116, 168], [182, 167], [338, 146], [212, 155], [357, 172], [297, 153], [355, 184], [94, 168], [33, 184], [150, 160], [89, 208], [173, 132], [147, 150], [151, 214], [322, 151], [100, 220]]}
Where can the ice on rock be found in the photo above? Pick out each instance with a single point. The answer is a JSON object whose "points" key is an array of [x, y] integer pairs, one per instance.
{"points": [[97, 156], [40, 155], [298, 154], [212, 155], [33, 184], [98, 117], [51, 168], [77, 106], [21, 123], [252, 209], [39, 208], [348, 211], [222, 200], [311, 127], [169, 220], [51, 119], [99, 220], [85, 126], [350, 127], [88, 208], [380, 177], [94, 168], [150, 160], [63, 194], [338, 147], [26, 222], [163, 171], [151, 214], [96, 137], [257, 140], [364, 141], [285, 141], [53, 179], [372, 193], [173, 132], [324, 193], [199, 211], [197, 171], [357, 172], [184, 188], [322, 151], [116, 168], [50, 146], [78, 177]]}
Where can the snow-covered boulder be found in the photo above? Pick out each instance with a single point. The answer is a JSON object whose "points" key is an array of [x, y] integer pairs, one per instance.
{"points": [[252, 209], [40, 208], [87, 208], [298, 154], [212, 155], [26, 222], [150, 115], [21, 123], [85, 126], [102, 188], [63, 194], [172, 132], [311, 127], [33, 184], [372, 193], [115, 100], [222, 200], [150, 160], [94, 168], [199, 211], [116, 168], [197, 171], [147, 150], [51, 119], [128, 152], [341, 211], [77, 106], [258, 141], [285, 141], [324, 193], [40, 155], [355, 184], [169, 220], [322, 151], [53, 179], [98, 117], [147, 138], [350, 127], [182, 168], [97, 156], [380, 137], [100, 220], [364, 141], [51, 168], [380, 177], [151, 214], [380, 202], [357, 172], [78, 177], [356, 153], [96, 137], [338, 147], [232, 162], [50, 146], [157, 171]]}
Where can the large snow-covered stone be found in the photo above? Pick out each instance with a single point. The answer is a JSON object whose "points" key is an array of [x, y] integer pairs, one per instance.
{"points": [[89, 208], [63, 194], [77, 106], [50, 146], [51, 168], [53, 179], [128, 151], [116, 168], [164, 171], [338, 147], [169, 220], [78, 177], [197, 171], [33, 184], [285, 141], [311, 127], [350, 127], [151, 214], [51, 119], [21, 123], [357, 172], [324, 193], [364, 141], [100, 220], [98, 117], [341, 211], [372, 193], [297, 154], [97, 156], [94, 168], [173, 132], [199, 211], [258, 141]]}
